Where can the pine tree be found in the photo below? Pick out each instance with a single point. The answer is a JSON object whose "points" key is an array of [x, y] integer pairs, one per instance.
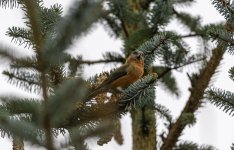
{"points": [[55, 74]]}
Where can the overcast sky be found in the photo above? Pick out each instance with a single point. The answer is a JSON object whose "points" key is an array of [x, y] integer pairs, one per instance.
{"points": [[213, 126]]}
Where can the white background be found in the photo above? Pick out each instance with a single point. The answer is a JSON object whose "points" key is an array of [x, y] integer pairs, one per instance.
{"points": [[213, 126]]}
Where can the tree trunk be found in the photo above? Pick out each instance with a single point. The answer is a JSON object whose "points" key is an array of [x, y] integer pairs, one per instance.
{"points": [[18, 144], [143, 129], [143, 120]]}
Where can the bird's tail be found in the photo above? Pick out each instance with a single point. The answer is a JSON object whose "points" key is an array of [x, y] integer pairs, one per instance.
{"points": [[94, 93]]}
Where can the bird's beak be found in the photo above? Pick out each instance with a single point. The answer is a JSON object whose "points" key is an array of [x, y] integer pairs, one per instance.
{"points": [[140, 55]]}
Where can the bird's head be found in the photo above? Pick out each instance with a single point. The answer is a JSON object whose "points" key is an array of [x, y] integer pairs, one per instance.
{"points": [[137, 57]]}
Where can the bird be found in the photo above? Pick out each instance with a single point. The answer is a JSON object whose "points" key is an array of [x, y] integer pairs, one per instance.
{"points": [[125, 75]]}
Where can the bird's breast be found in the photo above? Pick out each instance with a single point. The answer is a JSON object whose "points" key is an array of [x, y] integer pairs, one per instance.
{"points": [[136, 72]]}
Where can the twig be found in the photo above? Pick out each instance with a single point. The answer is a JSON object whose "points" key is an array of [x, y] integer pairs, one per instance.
{"points": [[123, 25], [91, 62], [191, 35], [179, 66]]}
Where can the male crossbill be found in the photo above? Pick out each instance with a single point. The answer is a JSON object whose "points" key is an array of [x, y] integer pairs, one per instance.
{"points": [[125, 75]]}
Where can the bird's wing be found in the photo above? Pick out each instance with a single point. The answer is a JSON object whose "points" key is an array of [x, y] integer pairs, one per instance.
{"points": [[118, 73]]}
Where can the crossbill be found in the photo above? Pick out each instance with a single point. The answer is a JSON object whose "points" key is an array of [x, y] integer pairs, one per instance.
{"points": [[125, 75]]}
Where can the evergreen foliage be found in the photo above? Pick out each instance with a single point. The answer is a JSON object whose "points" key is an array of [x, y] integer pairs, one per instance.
{"points": [[140, 93], [223, 99], [9, 3], [47, 76], [79, 16], [224, 7], [224, 36], [185, 145], [168, 80], [163, 112], [65, 105]]}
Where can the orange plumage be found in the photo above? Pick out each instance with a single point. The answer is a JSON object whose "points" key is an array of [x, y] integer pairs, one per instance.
{"points": [[131, 71], [125, 75]]}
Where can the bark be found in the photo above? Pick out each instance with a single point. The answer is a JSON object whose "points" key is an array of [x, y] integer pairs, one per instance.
{"points": [[18, 144], [143, 129]]}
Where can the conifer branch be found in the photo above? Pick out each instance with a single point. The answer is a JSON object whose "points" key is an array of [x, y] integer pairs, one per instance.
{"points": [[154, 45], [92, 62], [111, 23], [15, 106], [26, 63], [191, 35], [16, 63], [168, 69], [20, 35], [124, 27], [9, 124], [231, 73], [220, 33], [123, 13], [75, 24], [136, 94], [129, 93], [222, 36], [187, 145], [92, 112], [224, 8], [23, 76], [222, 99], [163, 112], [192, 23], [32, 13], [195, 98], [65, 97], [26, 80], [9, 3], [168, 80], [79, 134]]}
